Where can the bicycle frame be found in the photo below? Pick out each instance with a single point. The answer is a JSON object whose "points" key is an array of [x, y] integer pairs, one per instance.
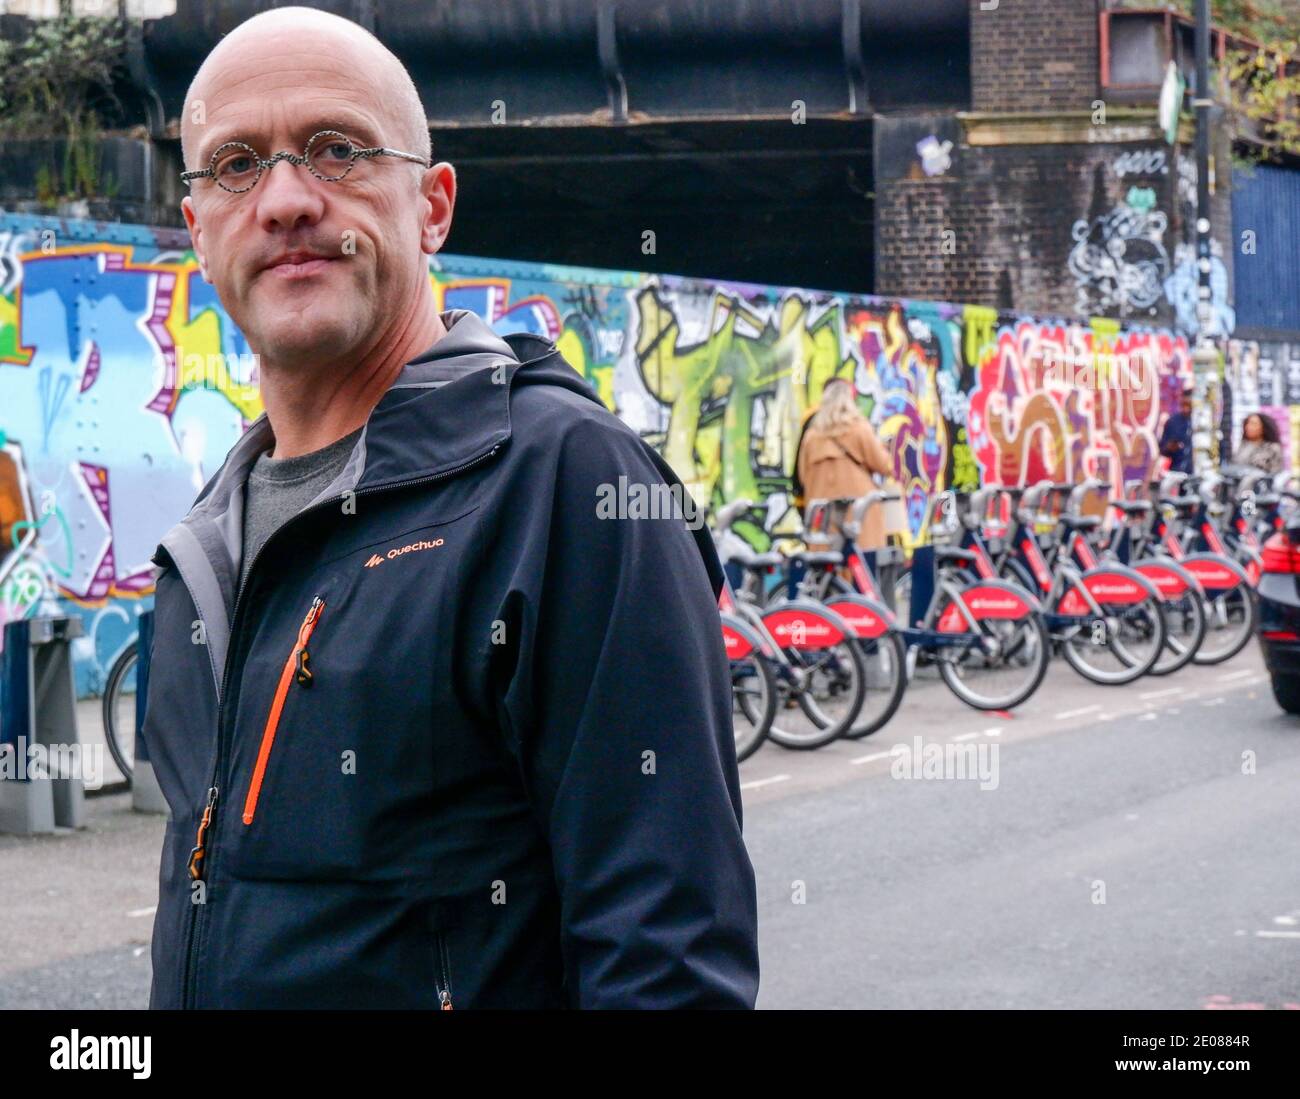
{"points": [[1071, 593], [1216, 572]]}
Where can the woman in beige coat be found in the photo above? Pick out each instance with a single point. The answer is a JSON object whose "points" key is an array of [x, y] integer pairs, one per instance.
{"points": [[838, 454]]}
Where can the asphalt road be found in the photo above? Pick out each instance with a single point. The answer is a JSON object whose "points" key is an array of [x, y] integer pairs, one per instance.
{"points": [[1127, 855], [1123, 860]]}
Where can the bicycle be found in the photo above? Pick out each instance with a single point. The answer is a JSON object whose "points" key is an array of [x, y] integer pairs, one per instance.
{"points": [[987, 638], [118, 707], [1105, 617], [1179, 526], [1184, 603], [753, 686], [883, 651], [817, 670]]}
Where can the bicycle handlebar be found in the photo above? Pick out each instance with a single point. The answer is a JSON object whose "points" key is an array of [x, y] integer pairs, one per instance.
{"points": [[1080, 491], [730, 513], [863, 504]]}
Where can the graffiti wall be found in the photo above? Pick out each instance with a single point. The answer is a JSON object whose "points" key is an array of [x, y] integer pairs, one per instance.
{"points": [[123, 384], [1133, 252]]}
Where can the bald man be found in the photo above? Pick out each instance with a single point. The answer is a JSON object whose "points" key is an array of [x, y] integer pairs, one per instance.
{"points": [[436, 730]]}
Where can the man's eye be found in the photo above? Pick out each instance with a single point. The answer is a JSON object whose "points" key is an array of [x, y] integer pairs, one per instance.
{"points": [[332, 154], [234, 166]]}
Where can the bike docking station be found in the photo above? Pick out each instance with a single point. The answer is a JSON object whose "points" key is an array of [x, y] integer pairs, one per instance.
{"points": [[146, 794], [41, 787]]}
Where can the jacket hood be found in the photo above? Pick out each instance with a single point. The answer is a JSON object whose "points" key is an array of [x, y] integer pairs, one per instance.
{"points": [[447, 409]]}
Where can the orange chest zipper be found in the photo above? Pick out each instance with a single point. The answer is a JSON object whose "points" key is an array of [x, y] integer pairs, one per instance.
{"points": [[295, 670]]}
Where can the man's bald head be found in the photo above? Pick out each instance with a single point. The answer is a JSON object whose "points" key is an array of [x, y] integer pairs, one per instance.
{"points": [[301, 28], [315, 267]]}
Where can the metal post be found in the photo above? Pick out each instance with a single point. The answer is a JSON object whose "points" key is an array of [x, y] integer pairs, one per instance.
{"points": [[146, 794], [42, 763], [1205, 358]]}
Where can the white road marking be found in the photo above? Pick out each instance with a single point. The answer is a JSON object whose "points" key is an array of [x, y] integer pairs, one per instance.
{"points": [[1214, 701], [1150, 715], [756, 783], [1064, 714], [1236, 675], [143, 912], [966, 736], [868, 759], [992, 732], [1161, 694], [1277, 934]]}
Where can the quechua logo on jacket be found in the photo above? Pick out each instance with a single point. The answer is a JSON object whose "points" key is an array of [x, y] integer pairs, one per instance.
{"points": [[400, 551]]}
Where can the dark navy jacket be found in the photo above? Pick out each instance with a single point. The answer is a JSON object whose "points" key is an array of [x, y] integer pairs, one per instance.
{"points": [[1176, 442], [460, 740]]}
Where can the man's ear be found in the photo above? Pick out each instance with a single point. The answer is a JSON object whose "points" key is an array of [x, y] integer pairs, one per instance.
{"points": [[439, 189], [196, 235]]}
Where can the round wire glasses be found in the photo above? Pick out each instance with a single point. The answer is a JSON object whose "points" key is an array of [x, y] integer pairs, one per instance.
{"points": [[329, 155]]}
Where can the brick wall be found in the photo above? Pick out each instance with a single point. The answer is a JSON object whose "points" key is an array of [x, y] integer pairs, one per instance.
{"points": [[1074, 230], [1034, 55]]}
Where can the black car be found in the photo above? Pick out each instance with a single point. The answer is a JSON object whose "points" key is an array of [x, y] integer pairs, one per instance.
{"points": [[1279, 614]]}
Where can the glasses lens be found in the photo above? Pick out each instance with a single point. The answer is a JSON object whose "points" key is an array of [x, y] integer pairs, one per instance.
{"points": [[235, 166], [329, 155]]}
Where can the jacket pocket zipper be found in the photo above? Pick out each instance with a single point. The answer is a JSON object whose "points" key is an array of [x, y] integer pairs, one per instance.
{"points": [[295, 670], [444, 974]]}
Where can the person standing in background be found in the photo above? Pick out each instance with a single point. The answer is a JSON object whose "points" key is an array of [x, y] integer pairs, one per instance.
{"points": [[1260, 446], [838, 454], [1176, 438]]}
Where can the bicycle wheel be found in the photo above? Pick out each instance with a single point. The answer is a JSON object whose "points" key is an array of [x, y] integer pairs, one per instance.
{"points": [[1230, 622], [819, 693], [884, 655], [885, 658], [753, 704], [1185, 623], [1013, 572], [1121, 645], [119, 710], [1002, 667]]}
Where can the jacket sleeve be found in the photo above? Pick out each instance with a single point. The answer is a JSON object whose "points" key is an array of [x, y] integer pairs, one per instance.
{"points": [[618, 708], [871, 450]]}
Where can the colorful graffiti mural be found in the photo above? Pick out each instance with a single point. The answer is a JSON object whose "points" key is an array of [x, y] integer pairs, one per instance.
{"points": [[1065, 402], [123, 385]]}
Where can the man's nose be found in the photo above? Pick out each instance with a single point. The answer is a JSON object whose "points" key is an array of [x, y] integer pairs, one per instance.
{"points": [[288, 195]]}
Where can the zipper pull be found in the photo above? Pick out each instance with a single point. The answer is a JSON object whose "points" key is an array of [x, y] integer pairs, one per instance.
{"points": [[303, 673], [313, 613], [444, 974], [196, 855]]}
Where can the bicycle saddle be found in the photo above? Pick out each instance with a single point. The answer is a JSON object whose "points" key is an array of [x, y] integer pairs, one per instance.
{"points": [[953, 553], [747, 559], [1132, 507], [813, 558]]}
